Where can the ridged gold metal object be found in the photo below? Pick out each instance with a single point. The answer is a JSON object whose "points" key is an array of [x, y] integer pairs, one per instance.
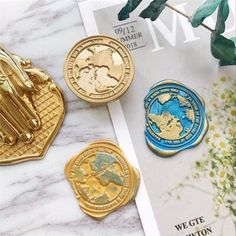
{"points": [[31, 109]]}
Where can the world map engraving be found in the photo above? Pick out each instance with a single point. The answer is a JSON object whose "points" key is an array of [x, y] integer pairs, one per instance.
{"points": [[100, 179], [172, 116], [98, 69]]}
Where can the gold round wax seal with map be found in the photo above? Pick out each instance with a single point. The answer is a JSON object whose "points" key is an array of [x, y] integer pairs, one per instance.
{"points": [[31, 109], [99, 69], [102, 178]]}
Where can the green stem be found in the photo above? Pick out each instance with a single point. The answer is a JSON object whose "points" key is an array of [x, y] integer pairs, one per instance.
{"points": [[188, 17]]}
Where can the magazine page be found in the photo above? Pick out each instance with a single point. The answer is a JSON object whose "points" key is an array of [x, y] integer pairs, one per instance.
{"points": [[193, 192]]}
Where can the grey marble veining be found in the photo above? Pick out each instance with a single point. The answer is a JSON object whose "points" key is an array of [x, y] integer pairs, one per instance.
{"points": [[35, 198]]}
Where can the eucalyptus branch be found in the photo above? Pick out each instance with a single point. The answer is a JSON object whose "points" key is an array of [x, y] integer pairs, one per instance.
{"points": [[186, 16], [222, 48]]}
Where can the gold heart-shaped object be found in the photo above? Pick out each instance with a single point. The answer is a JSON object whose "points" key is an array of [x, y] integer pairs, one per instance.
{"points": [[32, 109]]}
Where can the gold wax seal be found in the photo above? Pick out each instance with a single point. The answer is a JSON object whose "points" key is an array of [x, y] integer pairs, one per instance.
{"points": [[102, 179], [99, 69], [31, 109]]}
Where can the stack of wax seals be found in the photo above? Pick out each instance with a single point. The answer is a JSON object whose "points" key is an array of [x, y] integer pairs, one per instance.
{"points": [[175, 118], [99, 69], [102, 178], [31, 109]]}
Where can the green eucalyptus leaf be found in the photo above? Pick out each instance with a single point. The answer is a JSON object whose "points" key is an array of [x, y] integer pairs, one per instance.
{"points": [[223, 49], [153, 10], [205, 10], [130, 6], [228, 62], [223, 13]]}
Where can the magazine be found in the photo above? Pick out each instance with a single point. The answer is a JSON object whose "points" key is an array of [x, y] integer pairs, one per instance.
{"points": [[193, 192]]}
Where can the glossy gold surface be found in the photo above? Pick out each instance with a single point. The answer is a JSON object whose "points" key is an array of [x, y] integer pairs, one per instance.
{"points": [[102, 179], [31, 109], [99, 69]]}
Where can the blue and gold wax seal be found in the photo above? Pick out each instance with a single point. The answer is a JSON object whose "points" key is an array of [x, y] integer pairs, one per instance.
{"points": [[175, 118]]}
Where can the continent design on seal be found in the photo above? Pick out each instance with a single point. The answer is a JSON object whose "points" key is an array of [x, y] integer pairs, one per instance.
{"points": [[100, 179], [98, 69], [175, 118]]}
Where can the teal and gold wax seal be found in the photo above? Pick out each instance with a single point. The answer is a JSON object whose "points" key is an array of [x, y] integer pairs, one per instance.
{"points": [[175, 118], [102, 178]]}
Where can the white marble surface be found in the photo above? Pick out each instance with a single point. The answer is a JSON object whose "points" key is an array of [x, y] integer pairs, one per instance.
{"points": [[35, 198]]}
